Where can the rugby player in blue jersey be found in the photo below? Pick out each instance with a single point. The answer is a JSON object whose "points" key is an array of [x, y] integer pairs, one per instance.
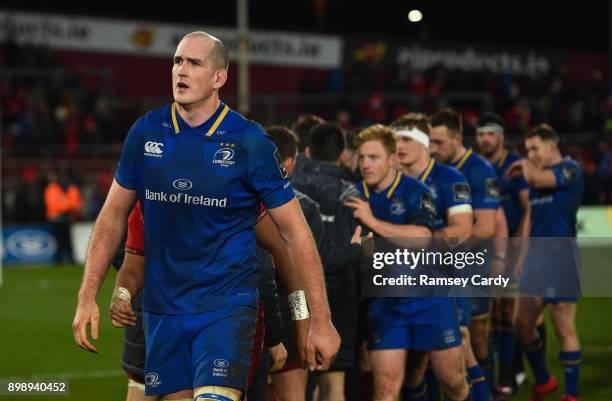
{"points": [[454, 219], [514, 197], [199, 170], [447, 147], [399, 206], [556, 188]]}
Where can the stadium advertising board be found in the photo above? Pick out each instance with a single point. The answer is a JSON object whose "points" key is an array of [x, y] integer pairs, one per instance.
{"points": [[160, 39], [28, 244]]}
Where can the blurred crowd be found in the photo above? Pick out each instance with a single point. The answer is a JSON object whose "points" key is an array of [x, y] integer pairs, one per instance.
{"points": [[51, 113]]}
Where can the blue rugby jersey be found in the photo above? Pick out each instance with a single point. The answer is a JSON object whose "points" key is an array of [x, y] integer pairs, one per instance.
{"points": [[200, 189], [510, 187], [449, 188], [482, 178], [553, 210], [405, 201]]}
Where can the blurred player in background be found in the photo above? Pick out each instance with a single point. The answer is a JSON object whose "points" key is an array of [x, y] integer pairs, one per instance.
{"points": [[556, 188], [398, 206], [337, 257], [301, 127], [454, 219], [194, 226], [447, 147], [324, 180], [514, 197]]}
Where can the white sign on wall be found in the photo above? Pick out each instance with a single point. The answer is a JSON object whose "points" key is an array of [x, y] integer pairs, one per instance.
{"points": [[160, 39]]}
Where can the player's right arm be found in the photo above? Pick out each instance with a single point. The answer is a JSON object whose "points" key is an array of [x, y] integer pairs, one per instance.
{"points": [[105, 238]]}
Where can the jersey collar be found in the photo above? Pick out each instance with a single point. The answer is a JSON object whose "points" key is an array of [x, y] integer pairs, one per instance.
{"points": [[466, 156], [425, 174], [390, 189], [502, 159], [209, 126]]}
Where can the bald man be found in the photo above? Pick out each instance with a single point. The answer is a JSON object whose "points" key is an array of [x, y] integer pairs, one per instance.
{"points": [[200, 170]]}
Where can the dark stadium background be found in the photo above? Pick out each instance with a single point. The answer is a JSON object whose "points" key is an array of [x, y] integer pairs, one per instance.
{"points": [[98, 95]]}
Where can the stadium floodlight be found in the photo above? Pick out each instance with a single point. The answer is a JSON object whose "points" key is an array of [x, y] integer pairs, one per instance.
{"points": [[415, 16]]}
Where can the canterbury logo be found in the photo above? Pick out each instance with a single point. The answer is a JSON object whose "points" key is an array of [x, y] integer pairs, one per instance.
{"points": [[153, 149]]}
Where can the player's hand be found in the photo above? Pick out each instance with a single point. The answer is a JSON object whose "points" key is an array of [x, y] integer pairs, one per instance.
{"points": [[323, 345], [87, 314], [279, 356], [121, 313], [361, 210], [515, 168]]}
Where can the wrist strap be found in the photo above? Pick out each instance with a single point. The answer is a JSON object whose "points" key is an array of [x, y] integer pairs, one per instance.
{"points": [[122, 293], [298, 305]]}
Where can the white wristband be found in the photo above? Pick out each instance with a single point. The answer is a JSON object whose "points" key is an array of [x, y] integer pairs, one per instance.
{"points": [[298, 305], [122, 293]]}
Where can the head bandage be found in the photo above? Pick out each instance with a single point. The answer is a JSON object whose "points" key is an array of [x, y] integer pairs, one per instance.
{"points": [[415, 134], [490, 127]]}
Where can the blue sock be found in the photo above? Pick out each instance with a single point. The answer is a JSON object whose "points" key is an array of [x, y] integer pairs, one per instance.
{"points": [[542, 333], [491, 373], [534, 352], [433, 386], [571, 369], [418, 393], [480, 391], [505, 343]]}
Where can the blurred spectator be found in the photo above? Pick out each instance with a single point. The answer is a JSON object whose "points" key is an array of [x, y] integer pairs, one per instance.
{"points": [[63, 204]]}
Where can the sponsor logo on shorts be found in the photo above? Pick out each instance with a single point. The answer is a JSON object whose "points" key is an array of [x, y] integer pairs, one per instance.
{"points": [[152, 379], [220, 368], [449, 336], [221, 363]]}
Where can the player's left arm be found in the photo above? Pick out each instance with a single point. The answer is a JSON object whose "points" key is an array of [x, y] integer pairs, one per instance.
{"points": [[297, 238]]}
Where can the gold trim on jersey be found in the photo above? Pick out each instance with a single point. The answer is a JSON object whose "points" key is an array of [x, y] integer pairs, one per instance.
{"points": [[425, 175], [463, 159], [218, 121]]}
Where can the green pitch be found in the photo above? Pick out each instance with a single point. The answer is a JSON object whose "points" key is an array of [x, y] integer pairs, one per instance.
{"points": [[37, 308]]}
